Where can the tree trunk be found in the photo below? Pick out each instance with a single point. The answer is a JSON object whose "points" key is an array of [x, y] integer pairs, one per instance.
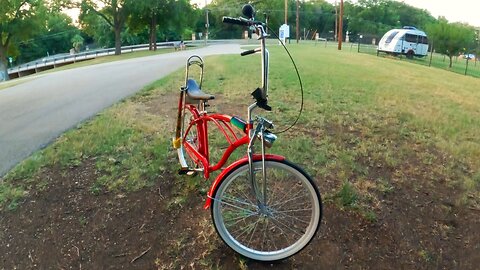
{"points": [[3, 64], [154, 32], [118, 40], [3, 71], [150, 37], [451, 58]]}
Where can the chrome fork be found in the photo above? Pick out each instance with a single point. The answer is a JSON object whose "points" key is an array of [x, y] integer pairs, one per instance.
{"points": [[267, 139]]}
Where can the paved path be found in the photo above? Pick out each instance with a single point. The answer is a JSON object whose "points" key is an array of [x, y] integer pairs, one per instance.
{"points": [[34, 113]]}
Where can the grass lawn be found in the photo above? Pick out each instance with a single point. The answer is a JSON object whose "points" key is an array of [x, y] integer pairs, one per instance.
{"points": [[459, 65], [372, 128]]}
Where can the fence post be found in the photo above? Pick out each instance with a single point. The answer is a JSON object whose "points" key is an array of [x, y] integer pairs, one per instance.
{"points": [[466, 66], [431, 54]]}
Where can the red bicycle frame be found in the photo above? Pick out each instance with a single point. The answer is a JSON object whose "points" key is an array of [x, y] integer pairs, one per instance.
{"points": [[222, 122]]}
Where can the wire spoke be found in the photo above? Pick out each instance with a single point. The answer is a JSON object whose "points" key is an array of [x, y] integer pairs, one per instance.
{"points": [[293, 210], [253, 232], [245, 229], [230, 198], [283, 202], [286, 226], [237, 220], [295, 217], [236, 207]]}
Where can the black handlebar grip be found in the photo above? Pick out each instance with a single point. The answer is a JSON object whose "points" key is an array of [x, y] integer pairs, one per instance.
{"points": [[248, 52], [231, 20]]}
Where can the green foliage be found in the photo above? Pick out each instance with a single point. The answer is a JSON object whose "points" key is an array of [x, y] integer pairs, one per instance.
{"points": [[451, 38], [363, 17], [114, 12], [52, 34], [347, 195], [10, 195], [77, 42], [379, 16], [133, 22], [19, 20], [164, 20], [97, 28]]}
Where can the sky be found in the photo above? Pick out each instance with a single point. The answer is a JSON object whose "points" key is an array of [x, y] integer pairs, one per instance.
{"points": [[467, 11]]}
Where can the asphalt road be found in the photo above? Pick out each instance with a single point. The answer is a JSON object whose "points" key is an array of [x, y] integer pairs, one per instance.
{"points": [[34, 113]]}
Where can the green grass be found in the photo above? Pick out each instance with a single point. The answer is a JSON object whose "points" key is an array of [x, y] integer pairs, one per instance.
{"points": [[369, 125], [123, 143], [440, 61], [459, 64]]}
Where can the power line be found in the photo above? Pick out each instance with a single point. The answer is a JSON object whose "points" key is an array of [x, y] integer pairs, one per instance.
{"points": [[46, 37]]}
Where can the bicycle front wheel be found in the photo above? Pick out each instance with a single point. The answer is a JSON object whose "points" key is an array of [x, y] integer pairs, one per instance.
{"points": [[278, 221]]}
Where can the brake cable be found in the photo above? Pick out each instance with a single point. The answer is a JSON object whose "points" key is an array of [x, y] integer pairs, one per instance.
{"points": [[299, 80]]}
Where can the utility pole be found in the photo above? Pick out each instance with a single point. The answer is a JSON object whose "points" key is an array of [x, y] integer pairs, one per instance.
{"points": [[286, 12], [298, 23], [340, 26], [266, 22], [206, 23]]}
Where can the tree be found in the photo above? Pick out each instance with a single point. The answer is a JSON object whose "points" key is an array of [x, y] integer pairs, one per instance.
{"points": [[379, 16], [77, 42], [318, 16], [412, 16], [98, 29], [114, 12], [274, 9], [170, 15], [19, 20], [373, 17], [451, 38], [52, 37]]}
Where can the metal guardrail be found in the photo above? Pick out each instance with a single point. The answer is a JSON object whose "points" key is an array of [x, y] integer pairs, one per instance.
{"points": [[101, 52], [52, 61]]}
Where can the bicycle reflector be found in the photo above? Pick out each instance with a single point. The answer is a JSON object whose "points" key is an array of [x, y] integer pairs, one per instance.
{"points": [[176, 143]]}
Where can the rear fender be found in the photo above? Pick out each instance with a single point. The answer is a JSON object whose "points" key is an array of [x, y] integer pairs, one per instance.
{"points": [[230, 169]]}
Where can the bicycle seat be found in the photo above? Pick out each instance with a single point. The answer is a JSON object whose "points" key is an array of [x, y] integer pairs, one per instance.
{"points": [[194, 92]]}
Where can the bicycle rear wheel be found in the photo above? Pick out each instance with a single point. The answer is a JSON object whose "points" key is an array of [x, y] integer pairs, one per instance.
{"points": [[279, 228]]}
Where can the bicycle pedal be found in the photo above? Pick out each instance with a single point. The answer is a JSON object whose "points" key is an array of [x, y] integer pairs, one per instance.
{"points": [[188, 172]]}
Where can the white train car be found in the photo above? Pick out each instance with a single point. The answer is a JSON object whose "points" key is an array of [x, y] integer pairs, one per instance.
{"points": [[407, 41]]}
